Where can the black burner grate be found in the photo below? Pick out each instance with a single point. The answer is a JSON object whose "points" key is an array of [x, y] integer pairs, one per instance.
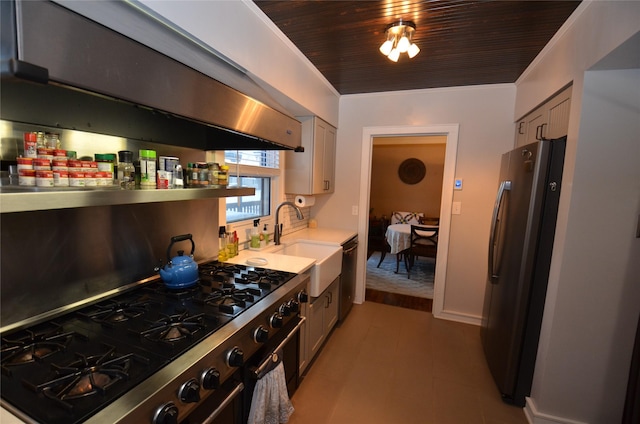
{"points": [[86, 376], [32, 346]]}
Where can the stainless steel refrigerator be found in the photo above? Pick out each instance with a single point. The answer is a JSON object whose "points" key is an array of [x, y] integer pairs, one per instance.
{"points": [[520, 244]]}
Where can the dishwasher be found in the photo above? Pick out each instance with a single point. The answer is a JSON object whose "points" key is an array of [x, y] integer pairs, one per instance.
{"points": [[348, 277]]}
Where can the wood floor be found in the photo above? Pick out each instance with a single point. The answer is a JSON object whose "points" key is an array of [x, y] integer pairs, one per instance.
{"points": [[401, 300], [390, 365]]}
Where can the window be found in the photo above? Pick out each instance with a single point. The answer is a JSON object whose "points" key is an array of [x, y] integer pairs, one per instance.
{"points": [[257, 169]]}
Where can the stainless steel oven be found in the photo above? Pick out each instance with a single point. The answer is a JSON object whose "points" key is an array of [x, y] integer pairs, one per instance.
{"points": [[286, 349]]}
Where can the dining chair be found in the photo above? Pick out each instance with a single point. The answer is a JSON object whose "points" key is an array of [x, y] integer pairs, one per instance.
{"points": [[377, 241], [406, 217], [424, 242]]}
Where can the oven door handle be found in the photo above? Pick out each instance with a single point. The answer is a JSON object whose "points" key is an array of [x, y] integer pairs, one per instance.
{"points": [[273, 357], [235, 392]]}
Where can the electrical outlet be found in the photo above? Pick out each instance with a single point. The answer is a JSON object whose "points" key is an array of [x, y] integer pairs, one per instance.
{"points": [[354, 210], [457, 207]]}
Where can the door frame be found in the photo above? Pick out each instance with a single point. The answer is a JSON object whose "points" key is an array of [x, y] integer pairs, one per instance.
{"points": [[448, 176]]}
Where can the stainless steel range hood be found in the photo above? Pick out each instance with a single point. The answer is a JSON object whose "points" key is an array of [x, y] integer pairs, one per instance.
{"points": [[63, 70]]}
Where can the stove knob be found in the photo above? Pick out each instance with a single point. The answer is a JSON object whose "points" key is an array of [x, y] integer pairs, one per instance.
{"points": [[285, 309], [276, 320], [294, 305], [166, 414], [303, 297], [210, 379], [235, 357], [190, 391], [260, 335]]}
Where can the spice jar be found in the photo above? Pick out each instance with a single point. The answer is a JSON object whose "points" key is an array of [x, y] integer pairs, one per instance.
{"points": [[30, 144], [52, 140], [223, 175], [214, 170], [44, 178], [147, 169], [27, 177], [203, 174], [126, 170]]}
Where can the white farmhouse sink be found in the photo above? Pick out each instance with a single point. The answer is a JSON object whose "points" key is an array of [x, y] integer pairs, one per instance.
{"points": [[328, 262]]}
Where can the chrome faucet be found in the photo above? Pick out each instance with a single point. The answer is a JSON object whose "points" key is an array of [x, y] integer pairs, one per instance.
{"points": [[278, 231]]}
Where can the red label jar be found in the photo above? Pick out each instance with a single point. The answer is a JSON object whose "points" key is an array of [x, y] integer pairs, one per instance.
{"points": [[42, 164], [27, 177], [76, 179], [24, 163], [44, 178], [60, 178]]}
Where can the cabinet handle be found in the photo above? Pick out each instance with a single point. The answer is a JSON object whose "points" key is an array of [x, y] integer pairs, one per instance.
{"points": [[326, 184], [520, 127], [542, 131], [539, 131]]}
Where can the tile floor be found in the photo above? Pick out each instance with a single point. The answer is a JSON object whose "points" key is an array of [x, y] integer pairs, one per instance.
{"points": [[388, 365]]}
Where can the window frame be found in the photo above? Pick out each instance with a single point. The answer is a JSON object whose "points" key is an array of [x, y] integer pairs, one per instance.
{"points": [[243, 227]]}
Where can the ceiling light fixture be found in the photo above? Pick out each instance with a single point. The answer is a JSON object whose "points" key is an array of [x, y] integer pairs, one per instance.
{"points": [[398, 40]]}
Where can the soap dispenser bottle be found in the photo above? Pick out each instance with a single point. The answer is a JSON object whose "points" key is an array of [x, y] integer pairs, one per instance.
{"points": [[255, 235], [265, 236]]}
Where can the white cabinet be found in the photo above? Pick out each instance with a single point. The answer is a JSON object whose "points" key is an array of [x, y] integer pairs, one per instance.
{"points": [[550, 120], [322, 316], [312, 171]]}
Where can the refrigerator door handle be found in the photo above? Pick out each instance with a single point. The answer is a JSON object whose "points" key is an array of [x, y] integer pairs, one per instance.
{"points": [[504, 186]]}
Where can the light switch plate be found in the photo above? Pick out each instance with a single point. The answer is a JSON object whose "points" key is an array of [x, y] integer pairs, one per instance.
{"points": [[456, 208], [457, 184]]}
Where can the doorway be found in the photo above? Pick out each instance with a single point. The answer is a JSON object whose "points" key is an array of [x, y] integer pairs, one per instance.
{"points": [[450, 131], [397, 188]]}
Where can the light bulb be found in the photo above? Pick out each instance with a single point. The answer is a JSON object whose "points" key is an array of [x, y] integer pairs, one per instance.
{"points": [[403, 44], [386, 47], [394, 55], [413, 50]]}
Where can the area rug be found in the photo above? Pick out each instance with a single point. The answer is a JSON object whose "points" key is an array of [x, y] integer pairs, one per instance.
{"points": [[385, 279]]}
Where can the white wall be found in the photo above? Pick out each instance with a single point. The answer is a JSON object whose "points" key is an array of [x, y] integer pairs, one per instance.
{"points": [[486, 130], [593, 298]]}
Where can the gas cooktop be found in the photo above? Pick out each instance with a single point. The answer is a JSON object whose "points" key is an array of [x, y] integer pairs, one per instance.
{"points": [[76, 364]]}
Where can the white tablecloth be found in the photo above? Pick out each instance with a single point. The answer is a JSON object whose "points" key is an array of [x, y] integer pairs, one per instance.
{"points": [[399, 236]]}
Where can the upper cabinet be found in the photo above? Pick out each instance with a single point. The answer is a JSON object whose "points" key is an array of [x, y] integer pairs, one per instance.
{"points": [[550, 120], [312, 171]]}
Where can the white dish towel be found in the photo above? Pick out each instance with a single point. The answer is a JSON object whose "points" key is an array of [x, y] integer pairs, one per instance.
{"points": [[270, 403]]}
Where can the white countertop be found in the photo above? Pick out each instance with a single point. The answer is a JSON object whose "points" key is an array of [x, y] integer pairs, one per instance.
{"points": [[295, 264]]}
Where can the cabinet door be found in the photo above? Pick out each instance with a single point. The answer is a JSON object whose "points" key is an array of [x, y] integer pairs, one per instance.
{"points": [[331, 310], [319, 140], [304, 359], [329, 158], [312, 171], [521, 133], [315, 326], [535, 122], [558, 115]]}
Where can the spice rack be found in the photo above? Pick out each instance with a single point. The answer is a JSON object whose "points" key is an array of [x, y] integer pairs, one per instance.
{"points": [[25, 199]]}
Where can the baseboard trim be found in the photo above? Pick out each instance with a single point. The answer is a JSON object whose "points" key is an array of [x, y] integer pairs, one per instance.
{"points": [[458, 317], [536, 417]]}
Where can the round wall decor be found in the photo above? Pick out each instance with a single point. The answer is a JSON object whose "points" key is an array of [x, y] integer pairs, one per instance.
{"points": [[412, 171]]}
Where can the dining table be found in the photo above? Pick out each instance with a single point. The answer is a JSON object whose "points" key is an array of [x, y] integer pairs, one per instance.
{"points": [[399, 236]]}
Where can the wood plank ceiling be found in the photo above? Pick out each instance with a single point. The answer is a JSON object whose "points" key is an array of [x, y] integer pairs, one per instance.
{"points": [[462, 42]]}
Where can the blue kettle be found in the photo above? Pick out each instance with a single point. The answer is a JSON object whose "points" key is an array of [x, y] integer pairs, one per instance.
{"points": [[180, 271]]}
